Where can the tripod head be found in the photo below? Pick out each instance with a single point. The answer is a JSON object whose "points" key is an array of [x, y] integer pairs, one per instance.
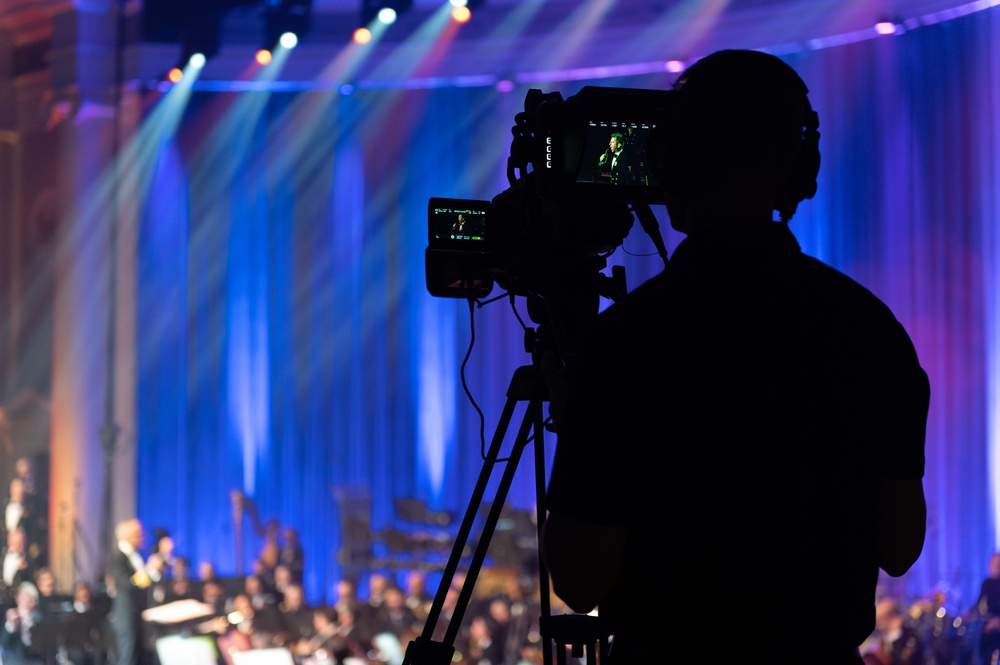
{"points": [[564, 300]]}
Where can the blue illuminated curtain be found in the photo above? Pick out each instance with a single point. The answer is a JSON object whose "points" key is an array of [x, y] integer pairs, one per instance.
{"points": [[289, 349]]}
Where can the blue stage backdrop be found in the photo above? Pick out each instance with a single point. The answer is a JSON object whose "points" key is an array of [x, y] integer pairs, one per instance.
{"points": [[290, 352]]}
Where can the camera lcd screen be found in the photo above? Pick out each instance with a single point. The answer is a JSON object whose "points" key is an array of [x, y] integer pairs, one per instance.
{"points": [[457, 223], [615, 155]]}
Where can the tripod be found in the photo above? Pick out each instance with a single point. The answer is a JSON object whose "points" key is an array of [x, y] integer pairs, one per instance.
{"points": [[582, 633]]}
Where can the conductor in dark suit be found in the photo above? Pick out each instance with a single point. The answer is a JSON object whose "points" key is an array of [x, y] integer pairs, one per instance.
{"points": [[129, 579]]}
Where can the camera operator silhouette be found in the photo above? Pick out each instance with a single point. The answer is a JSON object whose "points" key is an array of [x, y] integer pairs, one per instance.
{"points": [[616, 162], [748, 403]]}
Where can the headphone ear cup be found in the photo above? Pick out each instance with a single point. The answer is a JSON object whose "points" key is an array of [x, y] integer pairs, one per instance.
{"points": [[666, 148], [655, 153]]}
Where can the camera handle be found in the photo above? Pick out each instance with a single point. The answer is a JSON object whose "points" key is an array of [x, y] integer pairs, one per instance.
{"points": [[581, 633]]}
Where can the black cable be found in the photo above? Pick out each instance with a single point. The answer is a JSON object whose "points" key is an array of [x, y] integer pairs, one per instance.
{"points": [[465, 385]]}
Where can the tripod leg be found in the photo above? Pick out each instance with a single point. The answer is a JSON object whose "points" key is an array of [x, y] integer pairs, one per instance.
{"points": [[423, 650], [491, 521]]}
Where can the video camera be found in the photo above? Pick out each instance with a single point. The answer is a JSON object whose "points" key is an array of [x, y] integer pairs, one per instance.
{"points": [[571, 198]]}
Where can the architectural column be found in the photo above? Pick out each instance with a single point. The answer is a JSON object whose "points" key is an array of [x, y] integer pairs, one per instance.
{"points": [[69, 255]]}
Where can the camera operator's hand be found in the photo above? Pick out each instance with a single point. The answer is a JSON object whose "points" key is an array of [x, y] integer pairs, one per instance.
{"points": [[554, 374]]}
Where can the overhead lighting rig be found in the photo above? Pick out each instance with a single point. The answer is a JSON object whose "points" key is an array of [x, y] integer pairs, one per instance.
{"points": [[386, 11], [286, 22]]}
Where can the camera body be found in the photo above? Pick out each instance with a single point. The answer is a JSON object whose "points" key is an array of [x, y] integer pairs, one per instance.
{"points": [[576, 167]]}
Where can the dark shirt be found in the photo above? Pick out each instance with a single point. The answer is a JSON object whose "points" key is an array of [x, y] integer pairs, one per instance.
{"points": [[989, 597], [295, 624], [736, 413], [293, 557]]}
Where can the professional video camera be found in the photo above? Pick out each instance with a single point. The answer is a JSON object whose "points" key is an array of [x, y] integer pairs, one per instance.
{"points": [[579, 174], [574, 205]]}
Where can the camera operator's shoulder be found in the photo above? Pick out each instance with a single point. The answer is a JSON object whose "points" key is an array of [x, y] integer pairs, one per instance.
{"points": [[839, 289]]}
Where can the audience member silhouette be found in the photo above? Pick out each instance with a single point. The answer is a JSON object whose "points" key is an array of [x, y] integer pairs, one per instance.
{"points": [[28, 492], [87, 635], [394, 616], [18, 566], [19, 639], [417, 597], [294, 617], [50, 601]]}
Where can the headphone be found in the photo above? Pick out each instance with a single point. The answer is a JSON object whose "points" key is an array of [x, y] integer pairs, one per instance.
{"points": [[678, 148]]}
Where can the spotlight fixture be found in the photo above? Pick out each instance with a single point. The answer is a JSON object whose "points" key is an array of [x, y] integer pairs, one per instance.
{"points": [[200, 41], [194, 24], [383, 9], [192, 64], [886, 26], [263, 56], [286, 22], [462, 9], [674, 66]]}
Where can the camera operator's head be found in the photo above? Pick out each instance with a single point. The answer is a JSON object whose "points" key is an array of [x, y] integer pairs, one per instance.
{"points": [[737, 140]]}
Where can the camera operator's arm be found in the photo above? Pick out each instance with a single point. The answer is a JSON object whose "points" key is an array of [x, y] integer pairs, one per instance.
{"points": [[901, 527], [901, 507], [582, 547], [584, 560]]}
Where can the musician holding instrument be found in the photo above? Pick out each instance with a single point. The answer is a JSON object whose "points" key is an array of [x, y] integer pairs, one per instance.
{"points": [[987, 612]]}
